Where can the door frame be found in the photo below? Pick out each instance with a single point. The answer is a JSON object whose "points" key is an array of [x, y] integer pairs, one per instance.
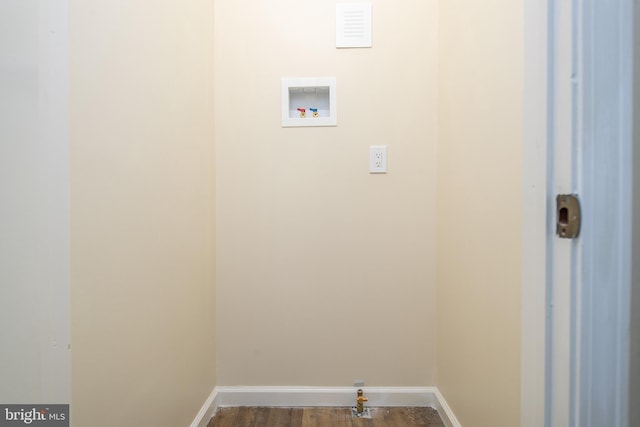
{"points": [[534, 213], [540, 40]]}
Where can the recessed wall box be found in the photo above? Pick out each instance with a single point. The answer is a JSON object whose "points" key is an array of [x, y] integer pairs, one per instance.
{"points": [[309, 101]]}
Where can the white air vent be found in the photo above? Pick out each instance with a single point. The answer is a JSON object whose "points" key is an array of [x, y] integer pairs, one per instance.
{"points": [[353, 25]]}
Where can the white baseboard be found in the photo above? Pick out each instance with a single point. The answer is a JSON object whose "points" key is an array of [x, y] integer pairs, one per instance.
{"points": [[445, 412], [207, 411], [323, 396]]}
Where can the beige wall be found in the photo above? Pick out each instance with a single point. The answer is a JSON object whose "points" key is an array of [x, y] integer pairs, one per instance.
{"points": [[480, 209], [141, 211], [325, 273]]}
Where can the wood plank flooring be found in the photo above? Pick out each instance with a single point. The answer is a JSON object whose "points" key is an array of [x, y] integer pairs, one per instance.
{"points": [[324, 417]]}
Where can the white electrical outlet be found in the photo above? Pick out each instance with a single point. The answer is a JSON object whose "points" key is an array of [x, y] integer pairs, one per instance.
{"points": [[378, 159]]}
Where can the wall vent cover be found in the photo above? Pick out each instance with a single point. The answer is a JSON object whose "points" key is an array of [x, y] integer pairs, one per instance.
{"points": [[353, 25]]}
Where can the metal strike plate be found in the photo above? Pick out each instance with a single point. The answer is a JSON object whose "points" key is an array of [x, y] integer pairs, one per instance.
{"points": [[568, 216]]}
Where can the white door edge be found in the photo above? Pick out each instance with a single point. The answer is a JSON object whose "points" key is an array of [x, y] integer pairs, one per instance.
{"points": [[534, 213], [538, 201]]}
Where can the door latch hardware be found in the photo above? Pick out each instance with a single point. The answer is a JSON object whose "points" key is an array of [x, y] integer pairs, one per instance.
{"points": [[568, 216]]}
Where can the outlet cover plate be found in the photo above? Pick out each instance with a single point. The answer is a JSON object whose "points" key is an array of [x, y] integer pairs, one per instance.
{"points": [[378, 159]]}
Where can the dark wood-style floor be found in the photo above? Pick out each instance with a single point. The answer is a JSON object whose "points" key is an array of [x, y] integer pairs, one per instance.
{"points": [[324, 417]]}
